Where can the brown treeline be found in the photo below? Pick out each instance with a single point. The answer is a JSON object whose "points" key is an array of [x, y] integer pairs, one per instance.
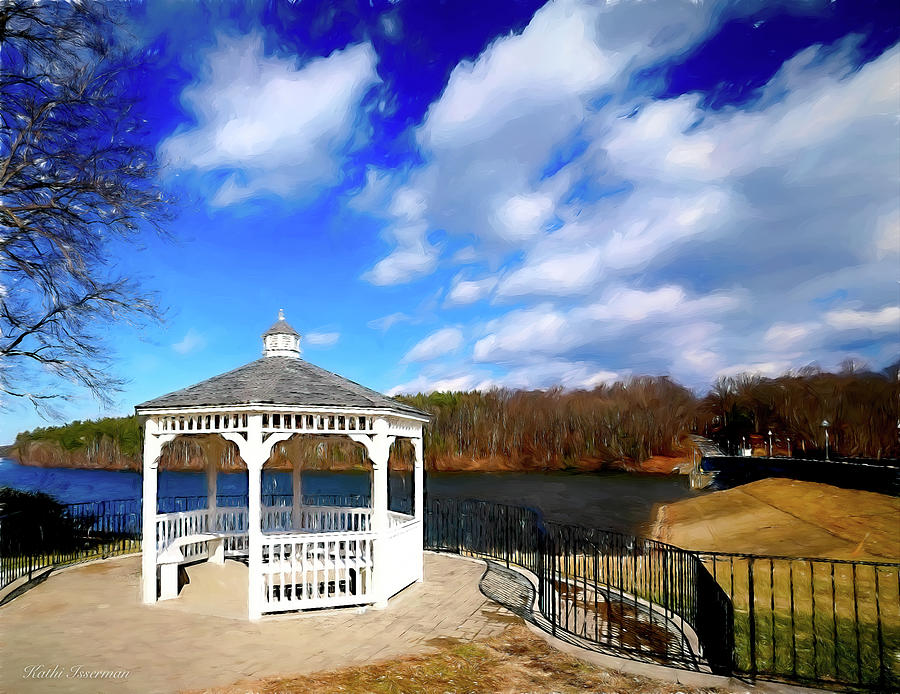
{"points": [[629, 422], [862, 409], [623, 425], [554, 429]]}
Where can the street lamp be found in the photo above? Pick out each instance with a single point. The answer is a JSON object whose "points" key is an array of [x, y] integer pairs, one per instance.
{"points": [[771, 451], [826, 424]]}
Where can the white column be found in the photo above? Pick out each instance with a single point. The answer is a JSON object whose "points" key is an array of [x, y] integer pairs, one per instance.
{"points": [[297, 490], [379, 452], [255, 453], [254, 538], [418, 479], [153, 443], [419, 503]]}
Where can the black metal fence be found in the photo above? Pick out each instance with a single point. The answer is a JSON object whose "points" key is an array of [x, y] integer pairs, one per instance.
{"points": [[613, 591], [101, 529], [814, 621], [882, 476], [82, 532]]}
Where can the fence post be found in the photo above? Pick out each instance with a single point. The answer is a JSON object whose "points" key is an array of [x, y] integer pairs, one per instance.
{"points": [[552, 557], [506, 533], [665, 582], [751, 600]]}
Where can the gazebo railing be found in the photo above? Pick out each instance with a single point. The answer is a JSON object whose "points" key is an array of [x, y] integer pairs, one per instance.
{"points": [[232, 520], [172, 504], [309, 570], [401, 550]]}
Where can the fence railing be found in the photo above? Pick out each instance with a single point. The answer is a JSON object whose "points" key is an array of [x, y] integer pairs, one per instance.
{"points": [[813, 620], [100, 529], [78, 533], [805, 620]]}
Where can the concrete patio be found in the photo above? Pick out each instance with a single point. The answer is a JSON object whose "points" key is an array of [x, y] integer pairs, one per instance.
{"points": [[90, 619]]}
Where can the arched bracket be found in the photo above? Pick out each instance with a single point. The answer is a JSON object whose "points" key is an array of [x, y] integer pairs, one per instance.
{"points": [[256, 452], [153, 446]]}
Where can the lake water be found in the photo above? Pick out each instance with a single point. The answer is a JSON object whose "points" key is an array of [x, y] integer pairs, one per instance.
{"points": [[616, 500]]}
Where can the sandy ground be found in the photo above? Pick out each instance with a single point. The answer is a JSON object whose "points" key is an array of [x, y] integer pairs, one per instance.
{"points": [[788, 518], [91, 618]]}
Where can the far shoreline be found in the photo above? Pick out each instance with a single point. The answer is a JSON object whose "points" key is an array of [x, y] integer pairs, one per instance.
{"points": [[53, 457]]}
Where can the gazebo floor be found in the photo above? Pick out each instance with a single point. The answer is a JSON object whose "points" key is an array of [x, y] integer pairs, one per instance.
{"points": [[214, 590], [91, 618]]}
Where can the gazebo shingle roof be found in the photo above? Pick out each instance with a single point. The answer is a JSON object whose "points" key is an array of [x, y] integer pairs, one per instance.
{"points": [[278, 381], [280, 326]]}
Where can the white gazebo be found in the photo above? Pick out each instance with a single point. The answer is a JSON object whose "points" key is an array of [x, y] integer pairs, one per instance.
{"points": [[299, 557]]}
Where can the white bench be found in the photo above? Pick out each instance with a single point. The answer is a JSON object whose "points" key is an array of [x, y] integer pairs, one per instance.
{"points": [[170, 558]]}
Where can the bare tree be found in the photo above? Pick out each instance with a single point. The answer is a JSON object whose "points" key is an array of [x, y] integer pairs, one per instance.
{"points": [[75, 175]]}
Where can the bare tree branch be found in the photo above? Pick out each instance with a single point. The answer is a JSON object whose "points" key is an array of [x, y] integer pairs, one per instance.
{"points": [[75, 173]]}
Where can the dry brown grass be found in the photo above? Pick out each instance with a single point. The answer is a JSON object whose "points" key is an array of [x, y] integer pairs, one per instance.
{"points": [[516, 661]]}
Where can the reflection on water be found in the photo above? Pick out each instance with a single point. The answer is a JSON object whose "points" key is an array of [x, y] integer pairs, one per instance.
{"points": [[616, 500]]}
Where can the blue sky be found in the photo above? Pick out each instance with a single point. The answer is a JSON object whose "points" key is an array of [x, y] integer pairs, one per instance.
{"points": [[467, 195]]}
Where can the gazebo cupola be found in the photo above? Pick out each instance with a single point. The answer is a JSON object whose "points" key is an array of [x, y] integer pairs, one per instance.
{"points": [[281, 340], [300, 552]]}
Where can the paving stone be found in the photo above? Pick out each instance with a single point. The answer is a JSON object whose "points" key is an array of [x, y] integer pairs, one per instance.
{"points": [[199, 640]]}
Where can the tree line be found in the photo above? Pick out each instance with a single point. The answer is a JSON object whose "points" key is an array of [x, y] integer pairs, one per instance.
{"points": [[628, 421], [555, 428], [861, 409]]}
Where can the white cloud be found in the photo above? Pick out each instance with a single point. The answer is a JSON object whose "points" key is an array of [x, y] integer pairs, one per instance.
{"points": [[661, 235], [523, 216], [322, 339], [787, 335], [385, 322], [767, 369], [424, 384], [887, 235], [404, 264], [572, 271], [281, 128], [192, 341], [545, 330], [886, 319], [554, 58], [438, 344], [549, 374], [469, 291], [623, 305]]}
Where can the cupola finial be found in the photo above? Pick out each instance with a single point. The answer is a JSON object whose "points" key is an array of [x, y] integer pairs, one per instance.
{"points": [[281, 340]]}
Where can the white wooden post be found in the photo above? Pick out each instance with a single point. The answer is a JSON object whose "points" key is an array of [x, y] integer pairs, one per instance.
{"points": [[418, 479], [379, 451], [153, 443], [419, 503], [254, 537], [255, 452]]}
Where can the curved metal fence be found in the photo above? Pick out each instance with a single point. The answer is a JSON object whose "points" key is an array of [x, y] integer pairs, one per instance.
{"points": [[812, 621], [806, 620]]}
